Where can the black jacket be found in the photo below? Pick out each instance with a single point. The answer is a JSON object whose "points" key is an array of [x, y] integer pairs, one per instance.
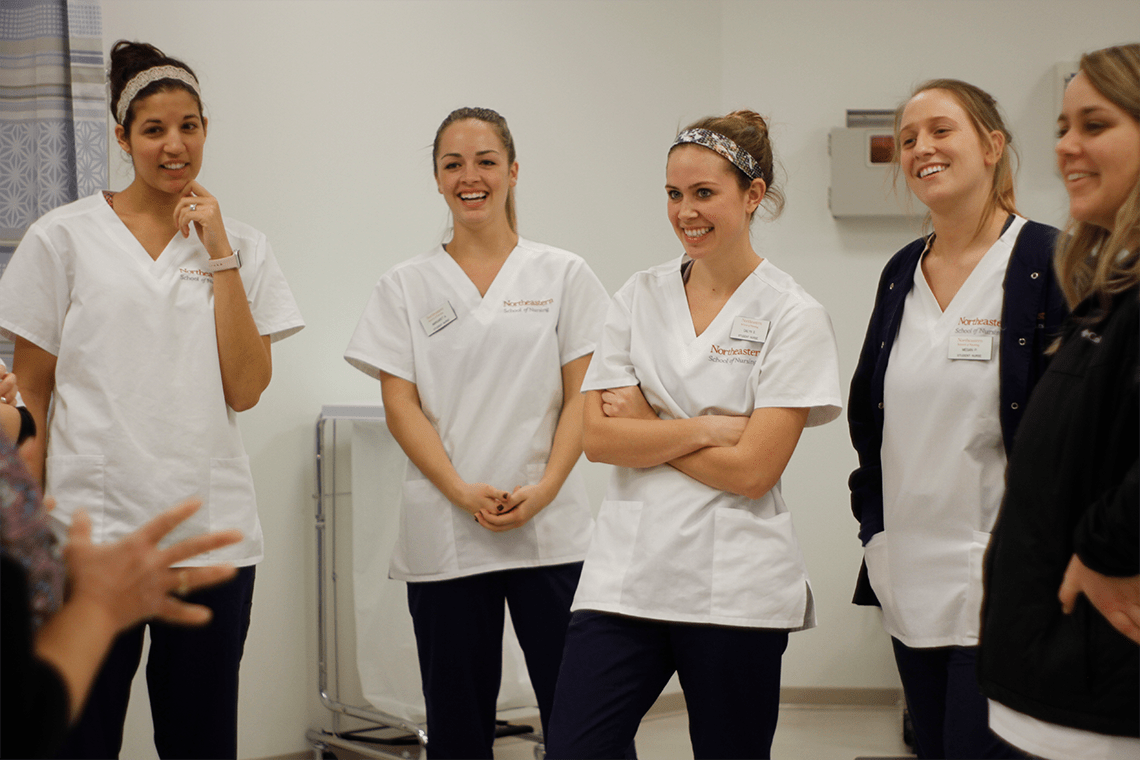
{"points": [[1073, 487]]}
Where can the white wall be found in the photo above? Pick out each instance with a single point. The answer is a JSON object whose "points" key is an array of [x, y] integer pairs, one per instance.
{"points": [[321, 119]]}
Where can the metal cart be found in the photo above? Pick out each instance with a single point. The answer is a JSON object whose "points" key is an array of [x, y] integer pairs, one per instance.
{"points": [[357, 726]]}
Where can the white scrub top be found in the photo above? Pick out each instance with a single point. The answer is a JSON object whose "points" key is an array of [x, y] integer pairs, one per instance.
{"points": [[1051, 740], [943, 457], [139, 420], [488, 370], [667, 547]]}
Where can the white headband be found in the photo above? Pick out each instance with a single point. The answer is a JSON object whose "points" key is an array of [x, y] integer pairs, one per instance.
{"points": [[147, 76]]}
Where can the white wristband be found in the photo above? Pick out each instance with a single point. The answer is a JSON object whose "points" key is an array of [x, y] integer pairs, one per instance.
{"points": [[229, 262]]}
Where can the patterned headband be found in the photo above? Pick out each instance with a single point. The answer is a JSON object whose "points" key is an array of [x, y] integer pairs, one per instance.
{"points": [[147, 76], [739, 157]]}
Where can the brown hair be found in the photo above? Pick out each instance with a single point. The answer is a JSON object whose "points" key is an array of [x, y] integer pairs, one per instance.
{"points": [[130, 58], [500, 126], [986, 117], [749, 130], [1092, 260]]}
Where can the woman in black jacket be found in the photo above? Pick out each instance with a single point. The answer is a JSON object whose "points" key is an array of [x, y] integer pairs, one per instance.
{"points": [[1061, 618]]}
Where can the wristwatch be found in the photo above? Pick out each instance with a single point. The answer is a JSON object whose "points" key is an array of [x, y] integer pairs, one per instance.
{"points": [[222, 264]]}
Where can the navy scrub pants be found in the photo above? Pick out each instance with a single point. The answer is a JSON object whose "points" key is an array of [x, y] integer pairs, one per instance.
{"points": [[950, 715], [192, 679], [459, 638], [615, 667]]}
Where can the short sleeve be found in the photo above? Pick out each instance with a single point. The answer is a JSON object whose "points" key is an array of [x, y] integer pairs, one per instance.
{"points": [[271, 301], [35, 292], [611, 366], [801, 367], [583, 312], [382, 341]]}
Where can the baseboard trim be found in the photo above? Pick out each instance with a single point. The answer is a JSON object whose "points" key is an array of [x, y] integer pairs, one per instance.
{"points": [[839, 696], [810, 696]]}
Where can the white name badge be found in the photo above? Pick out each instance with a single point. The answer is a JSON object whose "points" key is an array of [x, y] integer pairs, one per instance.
{"points": [[750, 328], [439, 319], [974, 347]]}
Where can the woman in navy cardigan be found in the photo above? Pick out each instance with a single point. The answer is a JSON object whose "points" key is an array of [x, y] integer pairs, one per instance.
{"points": [[956, 342]]}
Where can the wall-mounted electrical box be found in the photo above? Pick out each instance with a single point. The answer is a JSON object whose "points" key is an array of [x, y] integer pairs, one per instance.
{"points": [[861, 168], [1062, 73]]}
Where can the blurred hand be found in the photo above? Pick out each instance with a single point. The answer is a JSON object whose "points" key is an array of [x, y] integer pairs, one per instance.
{"points": [[132, 580]]}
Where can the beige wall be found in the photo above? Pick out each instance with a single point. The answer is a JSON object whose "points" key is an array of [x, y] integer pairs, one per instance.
{"points": [[321, 117]]}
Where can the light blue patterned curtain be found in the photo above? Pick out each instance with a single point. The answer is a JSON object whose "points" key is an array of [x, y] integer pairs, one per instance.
{"points": [[53, 110]]}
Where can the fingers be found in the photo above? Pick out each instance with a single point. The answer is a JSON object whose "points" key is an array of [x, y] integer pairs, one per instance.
{"points": [[1070, 586], [518, 496], [497, 523], [195, 206], [180, 613], [1121, 621], [79, 533], [1067, 594], [197, 578], [187, 580], [8, 387]]}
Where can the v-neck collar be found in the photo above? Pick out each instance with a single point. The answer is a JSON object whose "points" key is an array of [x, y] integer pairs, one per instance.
{"points": [[684, 316], [122, 235], [467, 287], [969, 287]]}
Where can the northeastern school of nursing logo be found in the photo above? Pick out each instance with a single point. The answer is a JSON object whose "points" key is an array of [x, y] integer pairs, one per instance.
{"points": [[977, 326], [194, 275], [523, 306], [733, 355]]}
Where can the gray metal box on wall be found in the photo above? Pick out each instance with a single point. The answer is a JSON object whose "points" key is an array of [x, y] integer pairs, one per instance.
{"points": [[862, 171]]}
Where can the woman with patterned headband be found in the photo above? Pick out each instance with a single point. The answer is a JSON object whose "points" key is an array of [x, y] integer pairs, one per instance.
{"points": [[144, 318], [480, 346], [955, 345], [709, 368]]}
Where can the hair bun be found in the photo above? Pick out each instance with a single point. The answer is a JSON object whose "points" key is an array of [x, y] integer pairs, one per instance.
{"points": [[749, 130], [128, 58]]}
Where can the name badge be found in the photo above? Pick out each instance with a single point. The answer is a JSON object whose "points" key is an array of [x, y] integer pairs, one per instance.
{"points": [[439, 319], [973, 347], [750, 328]]}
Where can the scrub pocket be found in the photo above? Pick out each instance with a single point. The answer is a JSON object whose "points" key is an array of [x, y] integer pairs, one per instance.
{"points": [[562, 528], [426, 529], [76, 481], [758, 571], [971, 623], [233, 503], [611, 552], [875, 554]]}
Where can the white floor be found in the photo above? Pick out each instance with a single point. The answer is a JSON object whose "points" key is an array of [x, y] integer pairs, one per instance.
{"points": [[804, 732]]}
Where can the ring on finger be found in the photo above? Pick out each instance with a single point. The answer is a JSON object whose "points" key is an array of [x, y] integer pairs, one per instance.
{"points": [[183, 584], [193, 206]]}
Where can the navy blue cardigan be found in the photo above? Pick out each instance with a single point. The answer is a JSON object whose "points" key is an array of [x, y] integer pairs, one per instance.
{"points": [[1033, 309]]}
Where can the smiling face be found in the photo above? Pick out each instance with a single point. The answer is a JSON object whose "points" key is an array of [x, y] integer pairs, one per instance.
{"points": [[167, 136], [943, 157], [1098, 153], [473, 173], [709, 210]]}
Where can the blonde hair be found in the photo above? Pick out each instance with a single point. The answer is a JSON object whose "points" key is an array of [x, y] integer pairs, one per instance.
{"points": [[1092, 260], [986, 117]]}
